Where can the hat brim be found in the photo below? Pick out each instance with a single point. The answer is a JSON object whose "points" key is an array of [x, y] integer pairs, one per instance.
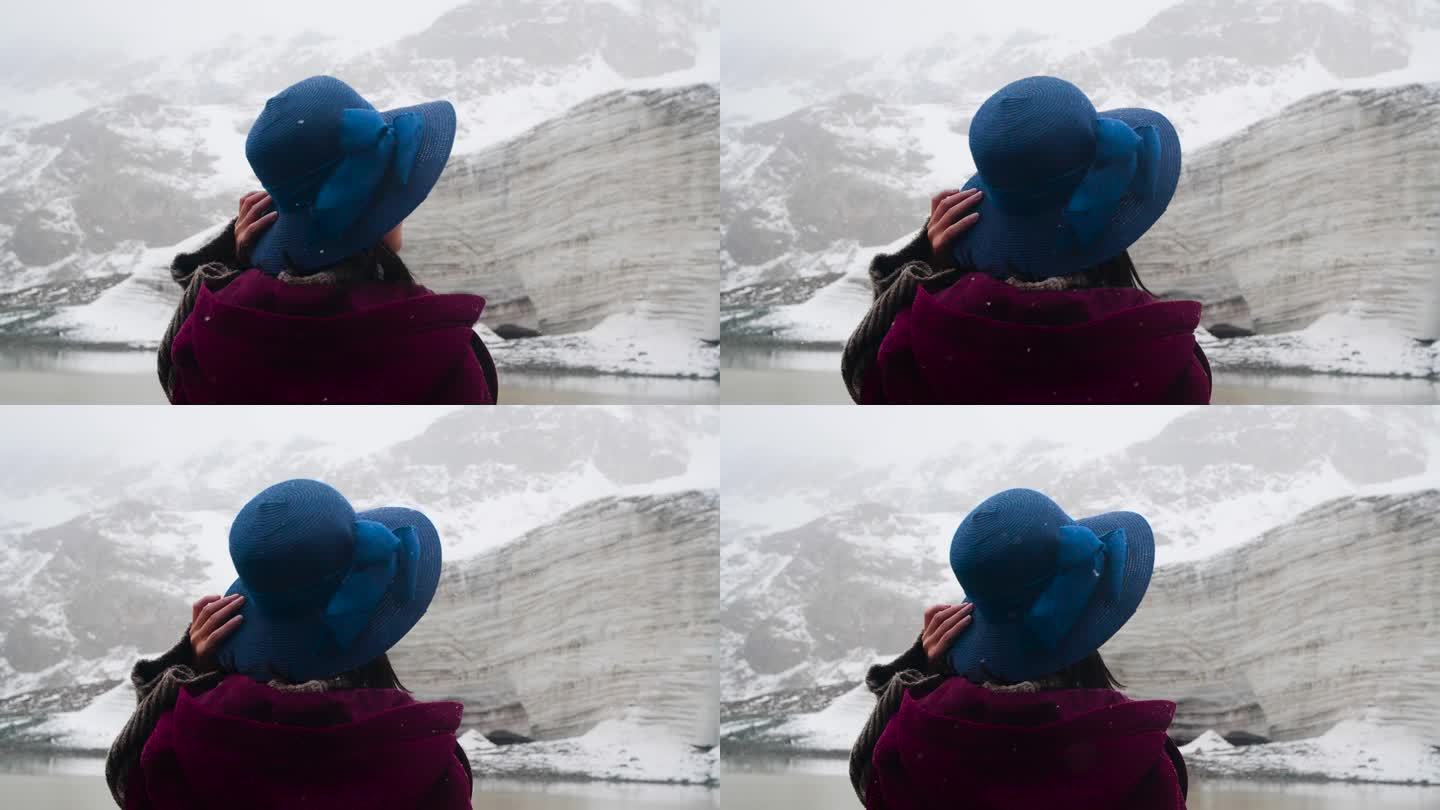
{"points": [[1005, 650], [1027, 246], [292, 243], [300, 648]]}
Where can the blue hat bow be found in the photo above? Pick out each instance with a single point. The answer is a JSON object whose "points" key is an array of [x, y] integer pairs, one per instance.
{"points": [[339, 191], [1083, 561], [371, 149], [1125, 161], [383, 561]]}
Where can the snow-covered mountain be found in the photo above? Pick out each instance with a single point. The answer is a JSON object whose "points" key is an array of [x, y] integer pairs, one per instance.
{"points": [[156, 155], [1270, 524], [845, 163], [81, 546]]}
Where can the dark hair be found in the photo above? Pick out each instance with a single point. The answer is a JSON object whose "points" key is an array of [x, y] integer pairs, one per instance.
{"points": [[378, 263], [377, 674], [1089, 672], [374, 674], [1118, 271]]}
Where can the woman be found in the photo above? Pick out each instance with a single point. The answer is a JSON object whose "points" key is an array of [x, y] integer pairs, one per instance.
{"points": [[303, 298], [1019, 289], [1004, 702], [280, 694]]}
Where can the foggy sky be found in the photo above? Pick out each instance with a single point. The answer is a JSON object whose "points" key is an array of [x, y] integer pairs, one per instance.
{"points": [[871, 27], [779, 437], [147, 27], [126, 436]]}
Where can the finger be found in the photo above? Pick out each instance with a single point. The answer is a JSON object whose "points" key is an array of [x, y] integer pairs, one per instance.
{"points": [[949, 637], [222, 632], [220, 616], [931, 611], [260, 204], [253, 231], [957, 207], [937, 622], [944, 619], [958, 228], [209, 610], [935, 201], [946, 203], [249, 200], [201, 603]]}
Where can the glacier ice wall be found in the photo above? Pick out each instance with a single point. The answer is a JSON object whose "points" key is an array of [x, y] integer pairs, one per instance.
{"points": [[1331, 617], [1331, 205], [612, 208], [607, 613]]}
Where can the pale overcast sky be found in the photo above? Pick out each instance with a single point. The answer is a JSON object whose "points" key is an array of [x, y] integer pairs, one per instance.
{"points": [[867, 27], [138, 435], [780, 436], [146, 27]]}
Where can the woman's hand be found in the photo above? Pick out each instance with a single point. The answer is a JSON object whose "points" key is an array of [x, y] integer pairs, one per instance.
{"points": [[949, 219], [251, 223], [942, 624], [212, 620]]}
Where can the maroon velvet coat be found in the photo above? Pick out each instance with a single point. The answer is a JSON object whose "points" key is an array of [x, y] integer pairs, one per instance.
{"points": [[966, 747], [261, 340], [984, 341], [246, 745]]}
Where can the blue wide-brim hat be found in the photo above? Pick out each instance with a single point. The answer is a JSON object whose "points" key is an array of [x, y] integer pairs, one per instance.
{"points": [[340, 173], [327, 589], [1048, 590], [1066, 187]]}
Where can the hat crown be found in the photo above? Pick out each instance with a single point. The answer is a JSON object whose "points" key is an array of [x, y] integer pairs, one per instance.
{"points": [[298, 132], [1006, 549], [293, 539], [1034, 134]]}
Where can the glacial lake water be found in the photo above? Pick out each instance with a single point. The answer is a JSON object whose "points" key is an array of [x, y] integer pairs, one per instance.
{"points": [[82, 376], [79, 784], [752, 374], [763, 784]]}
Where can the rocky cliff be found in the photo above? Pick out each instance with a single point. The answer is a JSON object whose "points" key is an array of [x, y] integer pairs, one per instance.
{"points": [[1329, 618], [608, 613], [609, 209], [1332, 205]]}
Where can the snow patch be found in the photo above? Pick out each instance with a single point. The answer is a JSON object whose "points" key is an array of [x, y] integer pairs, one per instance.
{"points": [[614, 750], [1352, 750], [94, 727], [626, 344]]}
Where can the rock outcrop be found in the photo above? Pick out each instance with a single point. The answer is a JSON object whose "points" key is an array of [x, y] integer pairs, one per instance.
{"points": [[1330, 618], [607, 613]]}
